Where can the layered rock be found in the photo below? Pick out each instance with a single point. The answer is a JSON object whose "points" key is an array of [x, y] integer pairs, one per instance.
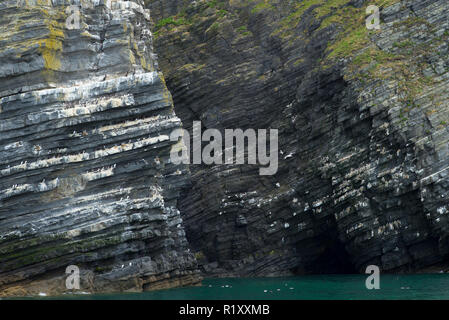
{"points": [[363, 132], [85, 173], [86, 116]]}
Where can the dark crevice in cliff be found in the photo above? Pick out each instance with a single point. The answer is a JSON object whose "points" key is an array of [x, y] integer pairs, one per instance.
{"points": [[334, 259]]}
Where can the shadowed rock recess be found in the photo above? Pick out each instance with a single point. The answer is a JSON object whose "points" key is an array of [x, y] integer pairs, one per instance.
{"points": [[85, 118], [363, 128]]}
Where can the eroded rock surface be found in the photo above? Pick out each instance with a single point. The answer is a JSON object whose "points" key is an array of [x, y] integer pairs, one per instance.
{"points": [[363, 116], [85, 118], [85, 174]]}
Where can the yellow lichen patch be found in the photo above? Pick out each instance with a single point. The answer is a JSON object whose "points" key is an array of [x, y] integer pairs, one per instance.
{"points": [[51, 48], [132, 59], [51, 52], [136, 52], [141, 56], [166, 96], [191, 67], [144, 64], [143, 61], [40, 3], [50, 21], [161, 76]]}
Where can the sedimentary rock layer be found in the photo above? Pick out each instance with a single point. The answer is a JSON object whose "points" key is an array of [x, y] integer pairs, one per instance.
{"points": [[85, 118], [363, 176], [85, 173]]}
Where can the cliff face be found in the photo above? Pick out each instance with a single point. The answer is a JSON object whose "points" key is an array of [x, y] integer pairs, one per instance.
{"points": [[363, 174], [85, 119], [85, 176]]}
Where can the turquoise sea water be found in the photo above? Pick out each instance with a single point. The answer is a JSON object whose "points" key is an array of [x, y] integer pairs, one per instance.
{"points": [[321, 287]]}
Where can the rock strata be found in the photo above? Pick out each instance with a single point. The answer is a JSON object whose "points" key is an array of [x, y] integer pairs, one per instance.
{"points": [[362, 118], [85, 172], [86, 115]]}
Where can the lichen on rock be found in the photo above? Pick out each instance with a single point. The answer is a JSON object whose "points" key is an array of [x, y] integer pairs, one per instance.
{"points": [[85, 113], [86, 116], [362, 119]]}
